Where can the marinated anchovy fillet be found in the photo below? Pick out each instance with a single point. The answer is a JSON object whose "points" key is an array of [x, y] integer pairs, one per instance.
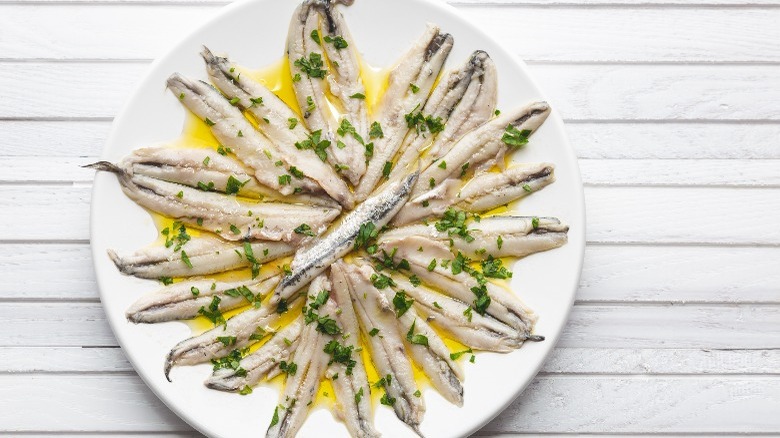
{"points": [[307, 61], [427, 265], [196, 166], [206, 254], [278, 122], [464, 99], [485, 146], [496, 236], [183, 300], [272, 167], [260, 364], [482, 193], [235, 334], [310, 362], [427, 349], [377, 210], [410, 82], [388, 351], [353, 391], [346, 86], [453, 316], [229, 217]]}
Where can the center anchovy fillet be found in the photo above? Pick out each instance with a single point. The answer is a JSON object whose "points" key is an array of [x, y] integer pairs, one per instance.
{"points": [[372, 217], [310, 361], [464, 99], [207, 255], [228, 216], [209, 345], [312, 261], [278, 122], [388, 351], [410, 82]]}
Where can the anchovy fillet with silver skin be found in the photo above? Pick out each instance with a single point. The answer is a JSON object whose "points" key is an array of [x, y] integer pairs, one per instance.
{"points": [[482, 147], [482, 193], [207, 254], [190, 166], [519, 237], [464, 99], [233, 130], [310, 262], [503, 306], [231, 218], [346, 85], [477, 331], [420, 66], [388, 351], [207, 346], [433, 356], [259, 364], [311, 90], [183, 300], [301, 387], [352, 390], [246, 92]]}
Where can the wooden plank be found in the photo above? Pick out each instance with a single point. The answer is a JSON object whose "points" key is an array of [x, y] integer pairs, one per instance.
{"points": [[663, 274], [562, 361], [720, 404], [578, 92], [590, 326], [647, 215], [698, 172], [548, 32], [661, 173], [599, 140]]}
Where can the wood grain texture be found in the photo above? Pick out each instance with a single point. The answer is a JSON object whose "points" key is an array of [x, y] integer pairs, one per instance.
{"points": [[615, 214], [565, 361], [547, 33], [590, 326], [589, 92], [121, 403]]}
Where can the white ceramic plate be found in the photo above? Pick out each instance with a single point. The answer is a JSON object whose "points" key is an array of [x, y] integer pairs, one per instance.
{"points": [[253, 33]]}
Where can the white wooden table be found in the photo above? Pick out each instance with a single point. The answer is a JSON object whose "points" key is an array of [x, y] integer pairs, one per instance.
{"points": [[673, 108]]}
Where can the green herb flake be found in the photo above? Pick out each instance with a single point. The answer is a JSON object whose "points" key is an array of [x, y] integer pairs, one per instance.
{"points": [[358, 96], [315, 35], [376, 131], [415, 280], [285, 180], [304, 229], [186, 259], [165, 280], [256, 101], [527, 188], [209, 122], [499, 242], [246, 390], [432, 265], [401, 303], [388, 167], [227, 341], [275, 419], [417, 393], [416, 339], [195, 291], [515, 137], [535, 222], [373, 332], [292, 122], [313, 66], [456, 356], [414, 88], [234, 101], [233, 185]]}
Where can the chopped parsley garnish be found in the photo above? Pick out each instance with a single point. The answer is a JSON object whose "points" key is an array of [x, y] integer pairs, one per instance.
{"points": [[206, 161], [296, 77], [315, 142], [414, 88], [186, 259], [499, 242], [315, 35], [313, 66], [180, 194], [275, 419], [388, 167], [401, 303], [234, 185], [288, 368], [454, 223], [227, 341], [417, 393], [292, 122], [246, 390], [456, 356], [381, 281], [250, 257], [366, 237], [296, 173], [515, 137], [195, 291], [256, 101], [209, 122], [285, 180], [443, 165], [415, 280], [342, 354], [304, 229], [359, 395], [206, 187], [417, 339], [282, 306], [165, 280], [369, 150], [310, 106], [432, 265], [347, 128], [337, 41], [376, 131], [234, 101], [494, 268], [527, 188], [535, 222], [463, 169], [212, 313], [387, 400], [358, 96], [373, 332], [223, 150], [175, 236], [437, 305]]}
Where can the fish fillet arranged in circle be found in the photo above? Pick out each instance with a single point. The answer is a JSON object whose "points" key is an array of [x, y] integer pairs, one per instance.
{"points": [[313, 260], [388, 351], [464, 99], [484, 146], [306, 46], [272, 167], [475, 331], [209, 345], [278, 122], [227, 216], [310, 361], [484, 192], [353, 392], [497, 236], [182, 300], [504, 305], [409, 84], [263, 363], [207, 255]]}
